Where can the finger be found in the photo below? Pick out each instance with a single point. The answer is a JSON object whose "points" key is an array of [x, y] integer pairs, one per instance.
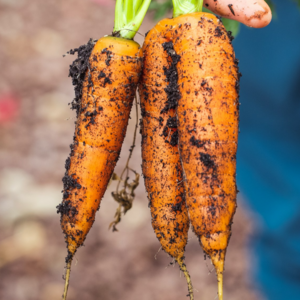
{"points": [[253, 13]]}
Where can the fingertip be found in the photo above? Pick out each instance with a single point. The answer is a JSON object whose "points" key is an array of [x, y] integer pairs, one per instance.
{"points": [[260, 18], [252, 13]]}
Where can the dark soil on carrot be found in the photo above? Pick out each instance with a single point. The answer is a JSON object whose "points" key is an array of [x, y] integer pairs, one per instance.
{"points": [[78, 70], [172, 90]]}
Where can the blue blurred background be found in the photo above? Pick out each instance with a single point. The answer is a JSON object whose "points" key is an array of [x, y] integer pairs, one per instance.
{"points": [[36, 128], [268, 169]]}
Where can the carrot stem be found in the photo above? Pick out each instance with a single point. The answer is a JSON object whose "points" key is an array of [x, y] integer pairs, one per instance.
{"points": [[129, 15], [182, 7], [67, 278], [183, 268]]}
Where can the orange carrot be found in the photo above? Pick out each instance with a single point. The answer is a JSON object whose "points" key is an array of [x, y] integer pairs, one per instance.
{"points": [[105, 76], [102, 116], [208, 131], [160, 154], [103, 113]]}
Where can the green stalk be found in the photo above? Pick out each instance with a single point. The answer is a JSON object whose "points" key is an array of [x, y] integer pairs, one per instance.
{"points": [[129, 15], [182, 7]]}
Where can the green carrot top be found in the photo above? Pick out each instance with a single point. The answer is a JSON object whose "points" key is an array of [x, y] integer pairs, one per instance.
{"points": [[129, 15], [182, 7]]}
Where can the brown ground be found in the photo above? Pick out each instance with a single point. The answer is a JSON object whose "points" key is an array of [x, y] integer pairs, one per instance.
{"points": [[33, 36]]}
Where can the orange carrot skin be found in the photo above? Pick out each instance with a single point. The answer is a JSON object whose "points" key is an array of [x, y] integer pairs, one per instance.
{"points": [[107, 97], [208, 125], [160, 154], [208, 153]]}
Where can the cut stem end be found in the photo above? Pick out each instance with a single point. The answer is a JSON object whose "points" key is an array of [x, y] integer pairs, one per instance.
{"points": [[129, 16], [182, 7]]}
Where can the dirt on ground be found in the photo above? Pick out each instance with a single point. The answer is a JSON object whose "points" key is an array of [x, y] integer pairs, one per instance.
{"points": [[36, 128]]}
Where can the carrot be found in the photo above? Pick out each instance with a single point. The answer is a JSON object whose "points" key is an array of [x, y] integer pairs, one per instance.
{"points": [[105, 77], [103, 113], [160, 154], [207, 115]]}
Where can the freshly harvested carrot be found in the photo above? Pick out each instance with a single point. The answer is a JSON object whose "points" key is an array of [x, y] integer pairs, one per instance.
{"points": [[103, 113], [105, 77], [207, 115], [160, 154]]}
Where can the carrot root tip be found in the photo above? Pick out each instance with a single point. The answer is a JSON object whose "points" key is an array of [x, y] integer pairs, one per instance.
{"points": [[183, 268], [218, 258], [67, 279], [220, 285]]}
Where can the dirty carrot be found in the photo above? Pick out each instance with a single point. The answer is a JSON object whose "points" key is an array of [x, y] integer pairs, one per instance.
{"points": [[208, 115], [160, 154], [207, 111], [105, 76]]}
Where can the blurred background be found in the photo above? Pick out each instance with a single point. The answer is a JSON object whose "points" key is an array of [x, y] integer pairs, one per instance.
{"points": [[36, 128]]}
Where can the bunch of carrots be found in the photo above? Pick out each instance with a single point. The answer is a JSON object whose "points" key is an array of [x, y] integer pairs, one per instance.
{"points": [[188, 82]]}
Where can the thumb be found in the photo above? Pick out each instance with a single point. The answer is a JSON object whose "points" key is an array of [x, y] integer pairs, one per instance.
{"points": [[253, 13]]}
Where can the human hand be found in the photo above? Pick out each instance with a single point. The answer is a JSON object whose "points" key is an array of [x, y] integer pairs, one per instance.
{"points": [[253, 13]]}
